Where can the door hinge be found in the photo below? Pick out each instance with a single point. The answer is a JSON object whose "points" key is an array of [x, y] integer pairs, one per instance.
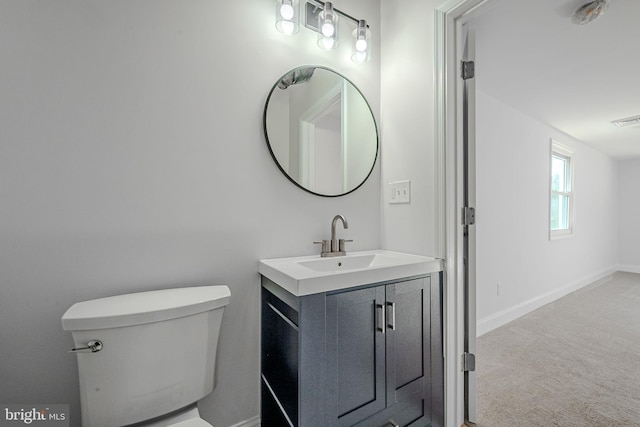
{"points": [[468, 215], [468, 70], [468, 362]]}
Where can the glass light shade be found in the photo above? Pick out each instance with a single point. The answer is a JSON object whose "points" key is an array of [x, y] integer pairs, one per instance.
{"points": [[361, 42], [327, 43], [288, 16], [328, 25]]}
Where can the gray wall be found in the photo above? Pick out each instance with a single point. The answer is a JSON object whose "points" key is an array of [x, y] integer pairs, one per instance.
{"points": [[132, 158], [513, 245], [407, 114], [629, 206]]}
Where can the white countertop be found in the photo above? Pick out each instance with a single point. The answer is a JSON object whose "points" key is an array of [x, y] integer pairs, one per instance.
{"points": [[313, 274]]}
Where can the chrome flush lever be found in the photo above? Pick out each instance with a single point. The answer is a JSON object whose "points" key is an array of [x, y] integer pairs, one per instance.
{"points": [[92, 347]]}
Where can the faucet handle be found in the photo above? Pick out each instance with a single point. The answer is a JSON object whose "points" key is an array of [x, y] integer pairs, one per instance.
{"points": [[341, 244], [326, 245]]}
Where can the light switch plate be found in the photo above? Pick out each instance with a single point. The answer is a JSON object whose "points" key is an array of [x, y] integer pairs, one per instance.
{"points": [[400, 192]]}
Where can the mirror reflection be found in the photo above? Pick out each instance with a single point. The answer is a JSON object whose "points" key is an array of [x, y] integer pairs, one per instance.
{"points": [[320, 131]]}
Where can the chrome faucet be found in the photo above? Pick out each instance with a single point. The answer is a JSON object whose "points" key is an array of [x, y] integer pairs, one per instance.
{"points": [[334, 247]]}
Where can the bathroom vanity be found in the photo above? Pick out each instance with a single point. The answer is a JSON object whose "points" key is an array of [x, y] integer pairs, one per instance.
{"points": [[352, 341]]}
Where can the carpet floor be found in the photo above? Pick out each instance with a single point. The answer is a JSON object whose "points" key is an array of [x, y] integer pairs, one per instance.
{"points": [[574, 362]]}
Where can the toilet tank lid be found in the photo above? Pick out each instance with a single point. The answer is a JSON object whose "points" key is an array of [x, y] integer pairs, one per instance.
{"points": [[144, 307]]}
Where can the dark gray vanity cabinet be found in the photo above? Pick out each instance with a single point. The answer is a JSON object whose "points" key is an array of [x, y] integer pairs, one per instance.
{"points": [[367, 356]]}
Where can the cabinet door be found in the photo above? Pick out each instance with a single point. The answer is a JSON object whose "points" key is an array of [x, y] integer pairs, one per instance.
{"points": [[355, 355], [408, 340]]}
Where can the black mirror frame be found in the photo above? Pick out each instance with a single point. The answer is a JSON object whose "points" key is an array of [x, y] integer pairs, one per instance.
{"points": [[275, 159]]}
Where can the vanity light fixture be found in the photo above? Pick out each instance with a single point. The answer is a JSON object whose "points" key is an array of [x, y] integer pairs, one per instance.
{"points": [[362, 42], [288, 16], [322, 17], [328, 25]]}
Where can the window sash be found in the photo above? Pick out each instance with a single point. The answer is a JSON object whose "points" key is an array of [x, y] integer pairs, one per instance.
{"points": [[560, 211], [564, 177], [561, 191]]}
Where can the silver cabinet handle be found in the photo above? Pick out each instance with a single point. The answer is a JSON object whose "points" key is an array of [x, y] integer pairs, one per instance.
{"points": [[91, 347], [392, 320], [393, 423], [382, 318]]}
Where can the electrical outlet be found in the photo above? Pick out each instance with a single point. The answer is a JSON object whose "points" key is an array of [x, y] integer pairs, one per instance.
{"points": [[400, 192], [498, 288]]}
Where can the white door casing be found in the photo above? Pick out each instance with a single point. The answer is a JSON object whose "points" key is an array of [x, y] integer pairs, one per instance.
{"points": [[450, 18]]}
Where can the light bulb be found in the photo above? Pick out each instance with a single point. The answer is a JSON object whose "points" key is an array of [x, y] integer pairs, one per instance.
{"points": [[361, 45], [286, 11], [327, 43], [328, 29]]}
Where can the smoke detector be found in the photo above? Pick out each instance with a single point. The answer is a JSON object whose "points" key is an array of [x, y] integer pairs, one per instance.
{"points": [[590, 11]]}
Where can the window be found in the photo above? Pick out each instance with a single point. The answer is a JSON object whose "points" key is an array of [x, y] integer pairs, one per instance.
{"points": [[561, 221]]}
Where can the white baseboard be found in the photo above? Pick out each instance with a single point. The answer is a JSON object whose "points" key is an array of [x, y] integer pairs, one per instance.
{"points": [[251, 422], [491, 322], [629, 268]]}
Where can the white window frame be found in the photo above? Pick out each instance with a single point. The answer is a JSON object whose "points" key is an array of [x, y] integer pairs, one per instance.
{"points": [[559, 150]]}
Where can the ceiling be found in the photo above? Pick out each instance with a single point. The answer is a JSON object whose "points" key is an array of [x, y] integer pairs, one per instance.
{"points": [[575, 78]]}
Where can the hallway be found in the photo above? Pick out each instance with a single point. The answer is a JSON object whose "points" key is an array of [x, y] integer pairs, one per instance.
{"points": [[574, 362]]}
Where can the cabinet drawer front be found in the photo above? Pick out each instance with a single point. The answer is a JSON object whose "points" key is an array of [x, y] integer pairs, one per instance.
{"points": [[356, 347]]}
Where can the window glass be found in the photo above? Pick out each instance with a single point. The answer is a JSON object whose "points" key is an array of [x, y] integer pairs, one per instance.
{"points": [[559, 212], [561, 195], [558, 173]]}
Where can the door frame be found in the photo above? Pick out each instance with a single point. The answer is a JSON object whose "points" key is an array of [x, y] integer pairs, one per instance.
{"points": [[467, 128], [306, 126], [450, 16]]}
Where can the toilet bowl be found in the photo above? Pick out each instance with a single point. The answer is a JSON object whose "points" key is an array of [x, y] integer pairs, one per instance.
{"points": [[196, 422], [189, 417], [147, 358]]}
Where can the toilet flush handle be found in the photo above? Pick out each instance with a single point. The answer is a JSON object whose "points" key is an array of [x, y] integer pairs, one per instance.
{"points": [[91, 347]]}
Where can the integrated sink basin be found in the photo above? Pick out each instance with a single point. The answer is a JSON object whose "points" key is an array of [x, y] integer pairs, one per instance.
{"points": [[312, 274], [341, 263]]}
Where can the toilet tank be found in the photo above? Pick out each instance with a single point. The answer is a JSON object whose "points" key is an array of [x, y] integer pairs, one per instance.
{"points": [[158, 352]]}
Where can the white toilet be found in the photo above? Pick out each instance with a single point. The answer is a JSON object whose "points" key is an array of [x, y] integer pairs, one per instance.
{"points": [[147, 358]]}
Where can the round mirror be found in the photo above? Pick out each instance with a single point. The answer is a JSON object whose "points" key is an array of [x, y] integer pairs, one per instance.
{"points": [[320, 131]]}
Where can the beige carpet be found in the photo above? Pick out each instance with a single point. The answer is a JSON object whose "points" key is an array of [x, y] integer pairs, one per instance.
{"points": [[574, 362]]}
